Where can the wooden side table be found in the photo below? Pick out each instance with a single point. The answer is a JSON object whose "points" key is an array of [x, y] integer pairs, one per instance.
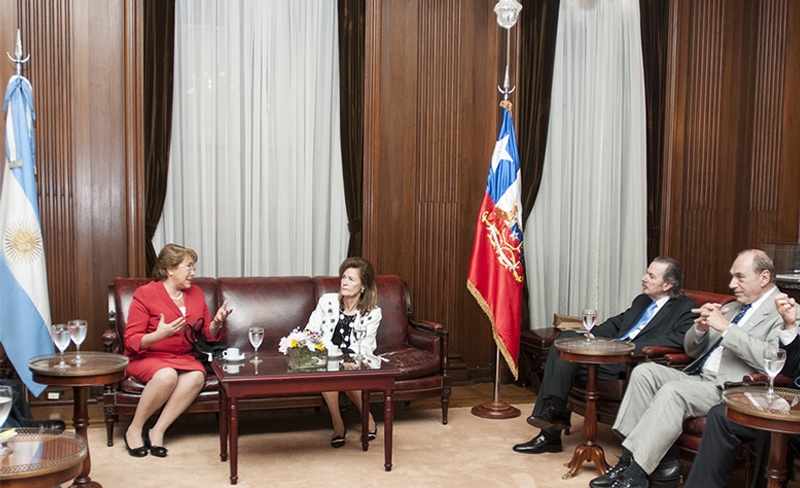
{"points": [[591, 353], [99, 368], [748, 406], [41, 458]]}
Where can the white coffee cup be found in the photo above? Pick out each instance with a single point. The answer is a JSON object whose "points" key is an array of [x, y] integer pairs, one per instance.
{"points": [[231, 368], [231, 353]]}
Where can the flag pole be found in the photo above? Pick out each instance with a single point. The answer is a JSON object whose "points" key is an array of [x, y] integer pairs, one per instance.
{"points": [[507, 12]]}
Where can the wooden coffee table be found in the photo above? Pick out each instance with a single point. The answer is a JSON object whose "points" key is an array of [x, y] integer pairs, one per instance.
{"points": [[41, 458], [748, 406], [591, 353], [272, 377], [100, 368]]}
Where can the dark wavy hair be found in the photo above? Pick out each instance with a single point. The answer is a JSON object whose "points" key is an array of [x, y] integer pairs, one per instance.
{"points": [[673, 275], [169, 257], [369, 297]]}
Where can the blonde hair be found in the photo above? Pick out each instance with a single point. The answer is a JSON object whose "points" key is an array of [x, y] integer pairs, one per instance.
{"points": [[369, 297], [171, 256]]}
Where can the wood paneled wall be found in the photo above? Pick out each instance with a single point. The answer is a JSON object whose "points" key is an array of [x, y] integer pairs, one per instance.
{"points": [[78, 70], [732, 157], [431, 119]]}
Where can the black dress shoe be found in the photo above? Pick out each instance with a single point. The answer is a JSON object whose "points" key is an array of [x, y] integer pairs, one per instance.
{"points": [[373, 435], [157, 451], [551, 419], [625, 482], [540, 444], [338, 440], [137, 452], [608, 479], [46, 424], [666, 475]]}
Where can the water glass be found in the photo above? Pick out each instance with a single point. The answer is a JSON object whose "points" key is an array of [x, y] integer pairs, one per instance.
{"points": [[589, 318], [359, 333], [77, 331], [256, 335], [6, 399], [60, 334], [774, 360]]}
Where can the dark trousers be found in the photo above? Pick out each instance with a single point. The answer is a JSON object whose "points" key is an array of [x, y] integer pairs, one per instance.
{"points": [[716, 457], [20, 411], [560, 375]]}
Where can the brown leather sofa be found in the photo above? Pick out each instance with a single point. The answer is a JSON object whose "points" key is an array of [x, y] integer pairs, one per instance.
{"points": [[279, 304]]}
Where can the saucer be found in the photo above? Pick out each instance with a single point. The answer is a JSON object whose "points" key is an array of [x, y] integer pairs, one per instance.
{"points": [[234, 360]]}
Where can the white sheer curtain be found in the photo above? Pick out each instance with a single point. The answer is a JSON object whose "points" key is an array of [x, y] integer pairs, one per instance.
{"points": [[255, 178], [585, 240]]}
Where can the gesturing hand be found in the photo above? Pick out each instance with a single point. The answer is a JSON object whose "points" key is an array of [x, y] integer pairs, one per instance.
{"points": [[222, 313], [711, 315], [171, 328], [787, 307]]}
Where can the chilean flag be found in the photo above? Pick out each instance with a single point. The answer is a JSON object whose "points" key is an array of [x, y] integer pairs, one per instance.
{"points": [[496, 269]]}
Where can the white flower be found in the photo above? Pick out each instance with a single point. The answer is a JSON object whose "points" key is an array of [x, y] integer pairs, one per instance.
{"points": [[298, 338]]}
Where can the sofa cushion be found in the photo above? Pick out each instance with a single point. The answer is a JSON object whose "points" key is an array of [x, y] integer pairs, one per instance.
{"points": [[131, 385], [412, 362], [277, 303]]}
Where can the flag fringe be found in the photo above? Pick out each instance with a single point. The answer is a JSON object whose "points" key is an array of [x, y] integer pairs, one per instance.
{"points": [[498, 342]]}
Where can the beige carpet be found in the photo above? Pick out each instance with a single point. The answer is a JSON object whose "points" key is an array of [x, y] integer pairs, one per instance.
{"points": [[291, 448]]}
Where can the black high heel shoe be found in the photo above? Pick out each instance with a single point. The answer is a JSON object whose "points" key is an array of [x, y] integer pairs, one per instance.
{"points": [[138, 452], [157, 451], [338, 440], [374, 434]]}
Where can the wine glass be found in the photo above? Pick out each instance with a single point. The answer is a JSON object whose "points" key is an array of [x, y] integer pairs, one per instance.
{"points": [[359, 333], [77, 331], [60, 335], [6, 398], [773, 364], [589, 319], [256, 335]]}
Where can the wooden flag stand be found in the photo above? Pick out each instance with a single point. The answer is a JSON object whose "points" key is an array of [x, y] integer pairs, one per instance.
{"points": [[496, 409]]}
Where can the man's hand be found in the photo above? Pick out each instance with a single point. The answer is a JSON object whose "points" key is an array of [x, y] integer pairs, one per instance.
{"points": [[711, 315], [787, 307]]}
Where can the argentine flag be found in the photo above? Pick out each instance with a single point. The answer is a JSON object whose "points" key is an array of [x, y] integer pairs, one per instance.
{"points": [[24, 302]]}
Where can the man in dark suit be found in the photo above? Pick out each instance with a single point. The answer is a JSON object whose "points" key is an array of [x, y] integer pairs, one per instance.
{"points": [[660, 316], [727, 343], [714, 463]]}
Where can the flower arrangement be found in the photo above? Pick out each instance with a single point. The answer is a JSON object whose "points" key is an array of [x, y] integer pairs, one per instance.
{"points": [[305, 349]]}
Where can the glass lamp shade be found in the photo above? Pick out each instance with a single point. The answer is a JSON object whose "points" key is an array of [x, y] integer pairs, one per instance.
{"points": [[507, 12]]}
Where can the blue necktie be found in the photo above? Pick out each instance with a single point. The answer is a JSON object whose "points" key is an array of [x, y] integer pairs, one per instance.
{"points": [[643, 320], [698, 366]]}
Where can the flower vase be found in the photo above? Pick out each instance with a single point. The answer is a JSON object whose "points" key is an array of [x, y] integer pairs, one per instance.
{"points": [[301, 358]]}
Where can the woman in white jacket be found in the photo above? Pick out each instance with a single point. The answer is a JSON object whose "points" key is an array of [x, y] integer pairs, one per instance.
{"points": [[338, 317]]}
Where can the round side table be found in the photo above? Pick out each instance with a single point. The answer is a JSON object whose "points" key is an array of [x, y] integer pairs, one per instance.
{"points": [[41, 458], [591, 353], [99, 368], [749, 406]]}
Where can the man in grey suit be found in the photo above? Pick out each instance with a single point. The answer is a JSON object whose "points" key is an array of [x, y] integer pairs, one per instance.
{"points": [[727, 343]]}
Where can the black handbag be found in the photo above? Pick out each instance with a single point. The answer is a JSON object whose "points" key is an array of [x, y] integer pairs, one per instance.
{"points": [[204, 351]]}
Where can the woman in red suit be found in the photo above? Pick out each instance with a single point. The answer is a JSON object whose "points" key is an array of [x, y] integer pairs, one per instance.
{"points": [[159, 354]]}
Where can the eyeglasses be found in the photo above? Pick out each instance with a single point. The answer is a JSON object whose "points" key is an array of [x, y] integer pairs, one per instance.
{"points": [[190, 267]]}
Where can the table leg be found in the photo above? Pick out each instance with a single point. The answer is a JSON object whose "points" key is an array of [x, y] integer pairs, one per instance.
{"points": [[388, 418], [776, 468], [588, 450], [233, 432], [80, 420], [364, 420], [223, 424]]}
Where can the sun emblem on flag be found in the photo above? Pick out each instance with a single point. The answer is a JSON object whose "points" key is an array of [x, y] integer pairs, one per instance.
{"points": [[22, 242]]}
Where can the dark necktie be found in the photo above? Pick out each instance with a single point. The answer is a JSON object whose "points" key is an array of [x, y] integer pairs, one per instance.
{"points": [[697, 366]]}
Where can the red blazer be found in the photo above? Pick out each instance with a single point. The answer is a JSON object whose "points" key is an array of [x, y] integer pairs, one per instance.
{"points": [[149, 302]]}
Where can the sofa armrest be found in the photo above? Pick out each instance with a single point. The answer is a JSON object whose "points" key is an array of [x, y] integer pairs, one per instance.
{"points": [[654, 352], [780, 380], [677, 359], [111, 341], [420, 328]]}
